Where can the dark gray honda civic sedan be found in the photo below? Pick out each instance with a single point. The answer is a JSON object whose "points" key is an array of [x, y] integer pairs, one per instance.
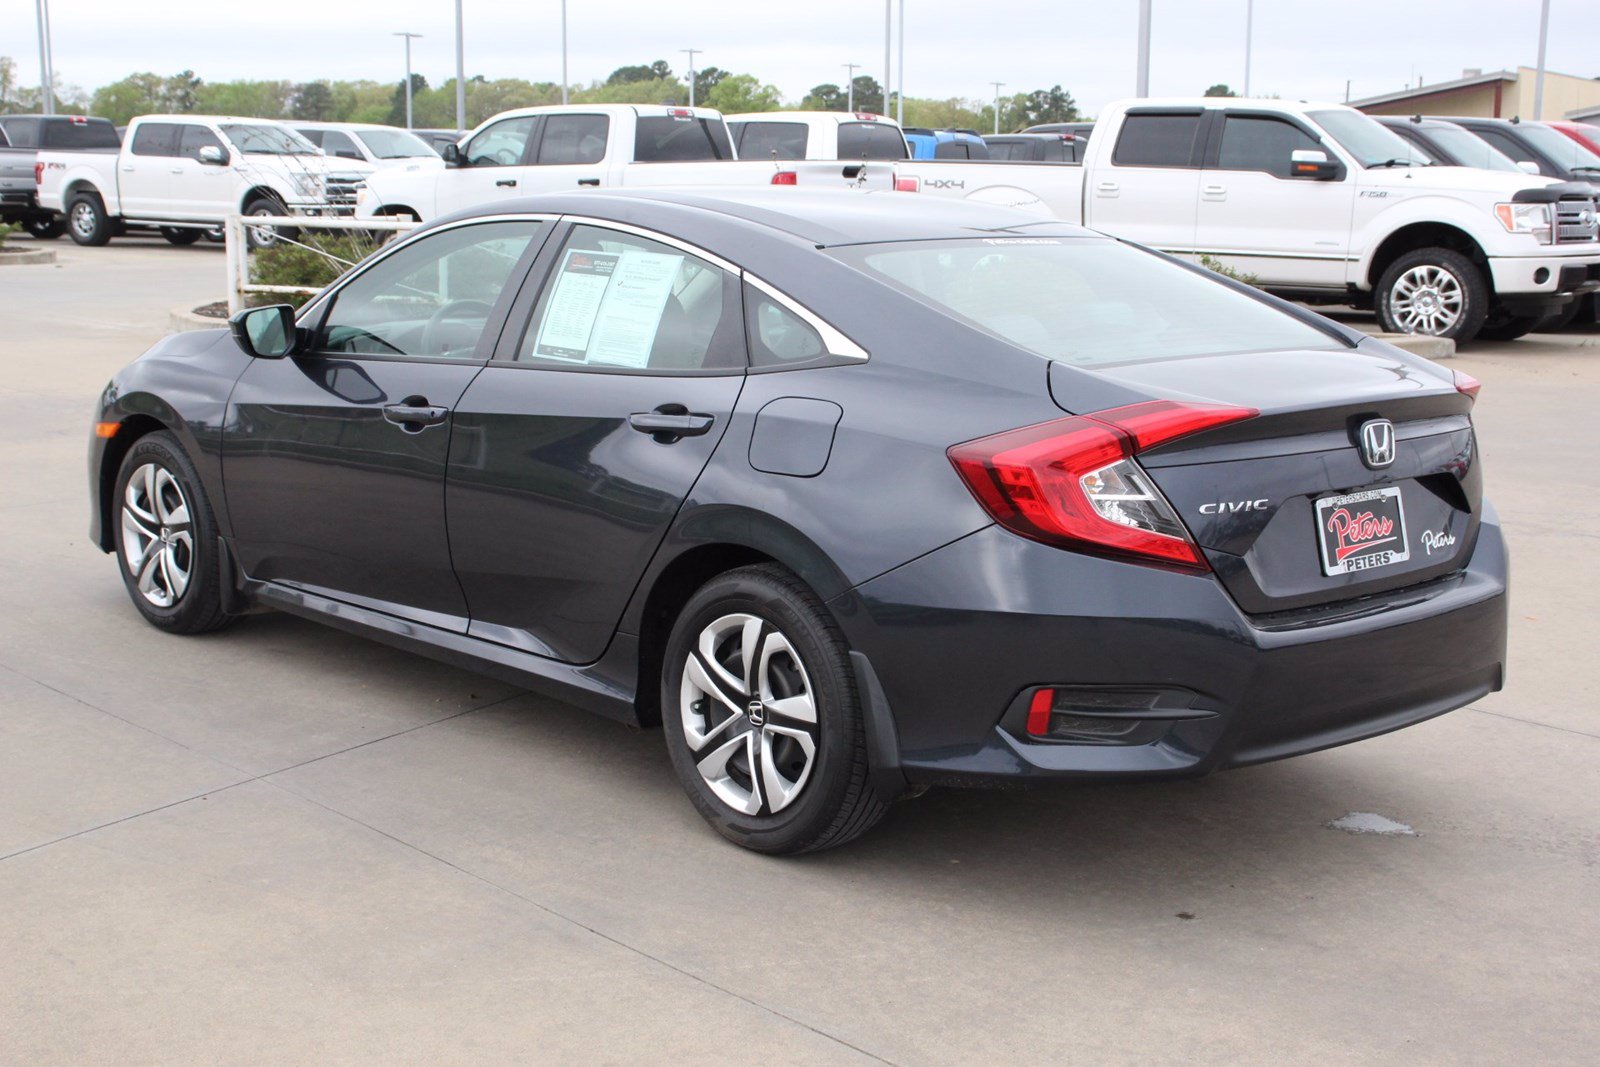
{"points": [[852, 493]]}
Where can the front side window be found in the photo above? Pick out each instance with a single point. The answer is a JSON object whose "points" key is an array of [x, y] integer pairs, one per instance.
{"points": [[155, 139], [195, 138], [615, 301], [1251, 142], [500, 145], [339, 144], [431, 299], [573, 139], [871, 140], [773, 140], [1155, 140]]}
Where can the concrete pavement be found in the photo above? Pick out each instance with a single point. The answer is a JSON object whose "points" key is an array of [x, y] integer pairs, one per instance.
{"points": [[283, 844]]}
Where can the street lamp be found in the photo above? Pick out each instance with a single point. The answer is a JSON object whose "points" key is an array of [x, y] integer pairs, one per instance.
{"points": [[47, 75], [900, 92], [408, 37], [997, 86], [1143, 74], [888, 35], [461, 74], [850, 69], [563, 51], [692, 53], [1249, 32], [1538, 80]]}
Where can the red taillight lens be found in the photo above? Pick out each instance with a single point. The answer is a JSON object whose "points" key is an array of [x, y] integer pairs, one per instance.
{"points": [[908, 185], [786, 177], [38, 174], [1466, 383], [1039, 711], [1073, 483]]}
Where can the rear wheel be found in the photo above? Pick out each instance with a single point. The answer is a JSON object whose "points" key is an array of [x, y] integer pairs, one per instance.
{"points": [[1434, 291], [259, 237], [166, 539], [762, 718], [45, 227], [87, 221], [177, 235]]}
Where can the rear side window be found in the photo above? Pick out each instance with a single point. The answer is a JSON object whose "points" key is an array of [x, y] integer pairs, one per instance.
{"points": [[23, 133], [773, 140], [671, 139], [73, 136], [156, 139], [574, 139], [1154, 140], [871, 140], [195, 138], [777, 335], [1251, 142]]}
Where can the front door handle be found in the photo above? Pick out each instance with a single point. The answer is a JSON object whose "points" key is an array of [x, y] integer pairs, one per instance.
{"points": [[1215, 192], [415, 417], [1107, 189], [668, 426], [588, 181], [507, 183]]}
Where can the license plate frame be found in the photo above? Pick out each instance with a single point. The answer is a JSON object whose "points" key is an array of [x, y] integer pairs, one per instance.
{"points": [[1361, 531]]}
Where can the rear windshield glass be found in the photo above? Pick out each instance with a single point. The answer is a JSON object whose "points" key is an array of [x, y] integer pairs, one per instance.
{"points": [[1084, 301], [773, 140], [72, 136], [665, 139], [870, 140]]}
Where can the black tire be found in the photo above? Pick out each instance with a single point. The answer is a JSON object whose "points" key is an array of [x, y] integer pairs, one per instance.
{"points": [[258, 238], [177, 235], [1468, 282], [830, 803], [1561, 319], [1502, 327], [197, 606], [87, 221], [45, 227]]}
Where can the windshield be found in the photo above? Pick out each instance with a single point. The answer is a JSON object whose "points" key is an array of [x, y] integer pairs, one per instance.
{"points": [[393, 144], [1559, 147], [1373, 144], [1084, 301], [268, 140], [1469, 150]]}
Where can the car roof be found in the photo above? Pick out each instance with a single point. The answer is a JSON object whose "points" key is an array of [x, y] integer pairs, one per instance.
{"points": [[821, 218], [1415, 121]]}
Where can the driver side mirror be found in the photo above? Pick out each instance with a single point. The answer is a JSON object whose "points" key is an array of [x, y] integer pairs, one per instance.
{"points": [[453, 157], [1313, 164], [266, 332], [212, 156]]}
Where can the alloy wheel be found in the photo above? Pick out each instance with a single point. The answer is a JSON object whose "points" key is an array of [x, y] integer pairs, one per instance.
{"points": [[157, 535], [749, 715], [1426, 299], [83, 219]]}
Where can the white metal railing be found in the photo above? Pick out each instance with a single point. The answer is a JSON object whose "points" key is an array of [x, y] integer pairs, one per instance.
{"points": [[237, 248]]}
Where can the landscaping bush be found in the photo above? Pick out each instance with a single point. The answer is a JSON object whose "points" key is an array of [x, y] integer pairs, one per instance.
{"points": [[7, 231], [315, 261], [1226, 271]]}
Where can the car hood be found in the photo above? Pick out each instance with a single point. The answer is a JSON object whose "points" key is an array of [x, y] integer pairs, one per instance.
{"points": [[1420, 180]]}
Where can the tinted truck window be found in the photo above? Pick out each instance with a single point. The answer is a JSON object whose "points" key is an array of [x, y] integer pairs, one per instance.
{"points": [[155, 139], [1252, 143], [773, 140], [870, 140], [1153, 140], [76, 136], [669, 139], [574, 139]]}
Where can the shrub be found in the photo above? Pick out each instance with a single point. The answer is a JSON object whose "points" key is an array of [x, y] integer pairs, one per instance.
{"points": [[315, 260], [7, 231], [1226, 271]]}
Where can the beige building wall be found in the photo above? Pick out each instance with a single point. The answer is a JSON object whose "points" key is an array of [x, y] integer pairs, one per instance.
{"points": [[1562, 93], [1476, 100], [1499, 99]]}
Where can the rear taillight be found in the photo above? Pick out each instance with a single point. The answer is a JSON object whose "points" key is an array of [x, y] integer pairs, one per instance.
{"points": [[1073, 482], [1467, 384], [38, 174], [908, 185], [786, 177]]}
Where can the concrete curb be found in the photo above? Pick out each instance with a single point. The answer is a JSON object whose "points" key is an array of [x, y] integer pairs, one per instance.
{"points": [[19, 257], [1420, 344], [181, 320]]}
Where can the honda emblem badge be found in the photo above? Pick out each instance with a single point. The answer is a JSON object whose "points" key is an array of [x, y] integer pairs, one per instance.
{"points": [[1377, 443]]}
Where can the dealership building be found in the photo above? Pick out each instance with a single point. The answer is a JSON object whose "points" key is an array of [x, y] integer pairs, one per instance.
{"points": [[1500, 94]]}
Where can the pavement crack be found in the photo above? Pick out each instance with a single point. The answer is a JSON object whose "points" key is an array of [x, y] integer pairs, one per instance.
{"points": [[1535, 722]]}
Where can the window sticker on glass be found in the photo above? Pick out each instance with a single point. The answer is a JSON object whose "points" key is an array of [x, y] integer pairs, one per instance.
{"points": [[607, 307]]}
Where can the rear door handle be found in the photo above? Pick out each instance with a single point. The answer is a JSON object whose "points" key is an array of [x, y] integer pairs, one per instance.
{"points": [[1215, 192], [1107, 189], [414, 418], [507, 183], [588, 181], [668, 427]]}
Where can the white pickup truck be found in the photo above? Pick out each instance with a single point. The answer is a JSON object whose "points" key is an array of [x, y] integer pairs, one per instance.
{"points": [[185, 174], [1319, 203], [557, 149]]}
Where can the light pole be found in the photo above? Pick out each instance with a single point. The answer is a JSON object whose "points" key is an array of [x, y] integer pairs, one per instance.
{"points": [[1538, 80], [563, 51], [461, 74], [888, 35], [1249, 27], [692, 53], [1143, 88], [408, 37], [850, 69], [47, 75], [997, 86], [900, 92]]}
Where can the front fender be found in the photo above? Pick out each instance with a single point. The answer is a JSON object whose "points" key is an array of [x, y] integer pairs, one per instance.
{"points": [[1473, 219]]}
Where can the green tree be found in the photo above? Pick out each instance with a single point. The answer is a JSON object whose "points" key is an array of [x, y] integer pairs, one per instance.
{"points": [[705, 80], [654, 91], [137, 94], [738, 94], [1048, 105], [642, 72], [1220, 89], [252, 99], [869, 95], [180, 94], [951, 114], [824, 97], [830, 97], [397, 102], [313, 101]]}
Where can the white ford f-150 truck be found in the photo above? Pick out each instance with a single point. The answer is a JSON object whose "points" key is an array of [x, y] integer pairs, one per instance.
{"points": [[1318, 202], [562, 148], [186, 174]]}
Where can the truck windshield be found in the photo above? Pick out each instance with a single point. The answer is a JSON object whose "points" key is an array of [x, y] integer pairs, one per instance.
{"points": [[1373, 144], [393, 144], [1083, 300], [77, 135], [672, 139], [1559, 147], [255, 140], [1470, 151]]}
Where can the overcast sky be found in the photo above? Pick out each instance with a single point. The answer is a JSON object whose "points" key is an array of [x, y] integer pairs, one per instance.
{"points": [[1303, 48]]}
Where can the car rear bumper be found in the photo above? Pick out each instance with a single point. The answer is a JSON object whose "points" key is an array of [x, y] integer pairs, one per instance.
{"points": [[961, 638]]}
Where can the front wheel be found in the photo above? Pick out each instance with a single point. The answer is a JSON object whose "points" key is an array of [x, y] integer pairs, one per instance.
{"points": [[87, 221], [259, 237], [1433, 291], [762, 717], [45, 227], [166, 539], [178, 235]]}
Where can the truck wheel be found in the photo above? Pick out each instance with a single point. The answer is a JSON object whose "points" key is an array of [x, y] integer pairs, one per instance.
{"points": [[259, 237], [1561, 319], [1500, 326], [87, 221], [45, 227], [177, 235], [1433, 291]]}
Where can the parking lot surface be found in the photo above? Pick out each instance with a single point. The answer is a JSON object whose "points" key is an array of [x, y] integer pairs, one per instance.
{"points": [[280, 843]]}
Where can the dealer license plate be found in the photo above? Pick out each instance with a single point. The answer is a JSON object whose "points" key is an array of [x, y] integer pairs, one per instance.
{"points": [[1362, 531]]}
